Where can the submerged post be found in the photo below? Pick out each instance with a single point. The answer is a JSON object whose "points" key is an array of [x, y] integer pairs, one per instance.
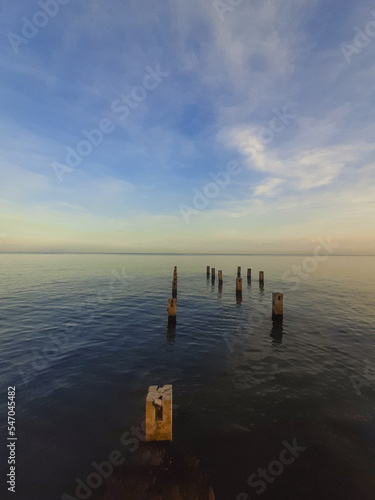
{"points": [[261, 276], [159, 413], [220, 274], [238, 272], [172, 312], [277, 305], [208, 271]]}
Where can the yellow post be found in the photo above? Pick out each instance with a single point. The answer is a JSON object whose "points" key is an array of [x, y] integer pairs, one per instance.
{"points": [[172, 311], [238, 286], [220, 273], [277, 305], [159, 413]]}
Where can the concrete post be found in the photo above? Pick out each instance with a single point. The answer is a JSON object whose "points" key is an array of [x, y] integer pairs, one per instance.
{"points": [[239, 286], [208, 271], [172, 312], [159, 413], [238, 272], [277, 305], [220, 273], [261, 276], [174, 289]]}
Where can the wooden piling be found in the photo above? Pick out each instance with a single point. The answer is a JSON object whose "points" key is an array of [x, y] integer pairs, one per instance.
{"points": [[208, 271], [174, 289], [238, 272], [261, 276], [248, 274], [220, 274], [172, 311], [159, 413], [238, 286], [213, 273], [277, 305]]}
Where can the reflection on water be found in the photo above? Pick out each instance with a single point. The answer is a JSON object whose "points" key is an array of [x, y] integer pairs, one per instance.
{"points": [[84, 336], [277, 330], [171, 334]]}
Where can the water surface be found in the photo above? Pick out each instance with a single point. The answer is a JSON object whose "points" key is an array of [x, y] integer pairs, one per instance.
{"points": [[83, 336]]}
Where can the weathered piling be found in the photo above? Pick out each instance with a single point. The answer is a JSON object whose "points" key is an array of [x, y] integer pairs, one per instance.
{"points": [[220, 275], [213, 273], [238, 272], [159, 413], [208, 271], [277, 305], [261, 276], [238, 286], [172, 312], [175, 273], [174, 289], [248, 274]]}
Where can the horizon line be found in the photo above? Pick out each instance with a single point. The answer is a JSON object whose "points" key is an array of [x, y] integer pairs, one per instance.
{"points": [[180, 253]]}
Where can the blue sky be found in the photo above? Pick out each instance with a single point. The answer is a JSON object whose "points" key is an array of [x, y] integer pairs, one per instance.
{"points": [[263, 83]]}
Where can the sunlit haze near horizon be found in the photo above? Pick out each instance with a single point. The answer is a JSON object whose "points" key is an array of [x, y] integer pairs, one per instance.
{"points": [[203, 127]]}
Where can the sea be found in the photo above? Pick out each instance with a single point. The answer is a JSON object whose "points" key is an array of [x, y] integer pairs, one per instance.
{"points": [[274, 409]]}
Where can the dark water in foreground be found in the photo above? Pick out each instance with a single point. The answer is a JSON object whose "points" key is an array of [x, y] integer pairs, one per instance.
{"points": [[83, 336]]}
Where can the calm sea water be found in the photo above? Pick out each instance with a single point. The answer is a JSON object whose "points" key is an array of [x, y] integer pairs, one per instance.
{"points": [[83, 336]]}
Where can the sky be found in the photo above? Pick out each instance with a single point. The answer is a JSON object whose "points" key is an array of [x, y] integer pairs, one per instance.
{"points": [[201, 126]]}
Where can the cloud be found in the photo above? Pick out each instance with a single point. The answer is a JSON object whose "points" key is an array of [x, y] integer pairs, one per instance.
{"points": [[268, 188]]}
